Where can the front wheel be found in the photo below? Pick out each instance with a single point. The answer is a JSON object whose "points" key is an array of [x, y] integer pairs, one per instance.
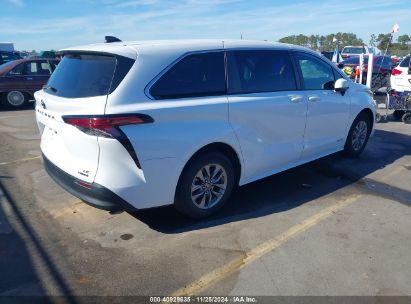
{"points": [[205, 185], [358, 136]]}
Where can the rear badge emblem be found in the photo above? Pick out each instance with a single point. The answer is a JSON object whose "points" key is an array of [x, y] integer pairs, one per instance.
{"points": [[43, 104], [84, 173]]}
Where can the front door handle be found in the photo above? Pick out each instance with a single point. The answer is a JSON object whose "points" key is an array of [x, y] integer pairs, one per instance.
{"points": [[296, 98], [314, 98]]}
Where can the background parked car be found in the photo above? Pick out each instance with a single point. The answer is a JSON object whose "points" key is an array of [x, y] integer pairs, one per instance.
{"points": [[6, 56], [382, 64], [355, 51], [19, 79], [401, 76]]}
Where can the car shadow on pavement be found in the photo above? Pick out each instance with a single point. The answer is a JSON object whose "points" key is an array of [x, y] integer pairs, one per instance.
{"points": [[291, 188], [18, 274], [29, 106], [17, 270]]}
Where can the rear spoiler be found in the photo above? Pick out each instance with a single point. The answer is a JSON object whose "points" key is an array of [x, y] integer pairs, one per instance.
{"points": [[110, 39]]}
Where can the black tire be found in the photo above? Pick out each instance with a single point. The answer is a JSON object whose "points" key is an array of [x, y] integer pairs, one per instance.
{"points": [[406, 118], [352, 148], [397, 114], [183, 200], [15, 99]]}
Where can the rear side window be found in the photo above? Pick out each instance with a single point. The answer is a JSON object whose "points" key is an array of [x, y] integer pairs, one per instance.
{"points": [[260, 71], [316, 74], [18, 69], [87, 75], [406, 62], [195, 75]]}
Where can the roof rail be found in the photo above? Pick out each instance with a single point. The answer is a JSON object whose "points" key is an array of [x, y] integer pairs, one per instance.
{"points": [[110, 39]]}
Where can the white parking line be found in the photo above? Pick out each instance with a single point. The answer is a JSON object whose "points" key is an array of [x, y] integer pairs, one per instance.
{"points": [[256, 253]]}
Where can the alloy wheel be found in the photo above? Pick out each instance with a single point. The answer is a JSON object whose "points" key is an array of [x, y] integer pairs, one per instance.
{"points": [[208, 186], [359, 135], [15, 98]]}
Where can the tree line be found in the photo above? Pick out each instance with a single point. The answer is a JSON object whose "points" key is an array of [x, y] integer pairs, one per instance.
{"points": [[327, 42]]}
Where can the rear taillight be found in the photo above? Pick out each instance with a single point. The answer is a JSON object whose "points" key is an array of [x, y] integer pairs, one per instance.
{"points": [[105, 125], [396, 72], [109, 126]]}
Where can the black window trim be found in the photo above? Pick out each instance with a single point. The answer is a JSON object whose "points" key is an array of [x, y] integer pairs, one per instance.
{"points": [[172, 64], [291, 52], [296, 76], [300, 76]]}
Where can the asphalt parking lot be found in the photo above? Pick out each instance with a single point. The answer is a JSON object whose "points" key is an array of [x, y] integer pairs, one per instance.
{"points": [[335, 226]]}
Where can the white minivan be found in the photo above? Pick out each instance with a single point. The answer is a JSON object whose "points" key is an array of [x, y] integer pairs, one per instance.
{"points": [[145, 124]]}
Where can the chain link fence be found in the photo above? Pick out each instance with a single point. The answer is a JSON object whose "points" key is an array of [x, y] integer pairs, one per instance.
{"points": [[399, 53]]}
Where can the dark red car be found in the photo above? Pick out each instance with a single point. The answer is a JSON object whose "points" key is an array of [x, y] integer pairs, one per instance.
{"points": [[19, 79], [382, 64]]}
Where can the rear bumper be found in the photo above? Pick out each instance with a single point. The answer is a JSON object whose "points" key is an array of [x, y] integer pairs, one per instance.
{"points": [[92, 194]]}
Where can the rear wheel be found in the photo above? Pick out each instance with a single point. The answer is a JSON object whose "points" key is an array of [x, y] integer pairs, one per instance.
{"points": [[358, 136], [15, 99], [205, 185], [406, 118], [397, 114]]}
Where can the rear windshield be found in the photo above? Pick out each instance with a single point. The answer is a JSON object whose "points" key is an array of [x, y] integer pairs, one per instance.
{"points": [[353, 50], [87, 75], [405, 63]]}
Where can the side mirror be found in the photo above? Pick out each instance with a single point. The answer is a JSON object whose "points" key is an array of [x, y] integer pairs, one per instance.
{"points": [[341, 85]]}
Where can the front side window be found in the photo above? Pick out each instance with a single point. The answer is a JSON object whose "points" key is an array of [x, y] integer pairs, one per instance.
{"points": [[316, 74], [260, 71], [195, 75]]}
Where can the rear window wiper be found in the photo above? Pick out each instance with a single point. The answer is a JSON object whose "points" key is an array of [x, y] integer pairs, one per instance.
{"points": [[47, 87]]}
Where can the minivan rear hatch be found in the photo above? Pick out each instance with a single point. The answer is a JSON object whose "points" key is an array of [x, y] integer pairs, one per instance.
{"points": [[78, 87]]}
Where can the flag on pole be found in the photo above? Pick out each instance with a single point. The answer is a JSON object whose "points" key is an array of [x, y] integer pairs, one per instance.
{"points": [[335, 39], [336, 56], [395, 28]]}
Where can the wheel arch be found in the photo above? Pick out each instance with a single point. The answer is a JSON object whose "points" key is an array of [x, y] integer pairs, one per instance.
{"points": [[222, 148], [369, 113]]}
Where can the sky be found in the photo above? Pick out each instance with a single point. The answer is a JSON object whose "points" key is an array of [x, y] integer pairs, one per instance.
{"points": [[46, 24]]}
